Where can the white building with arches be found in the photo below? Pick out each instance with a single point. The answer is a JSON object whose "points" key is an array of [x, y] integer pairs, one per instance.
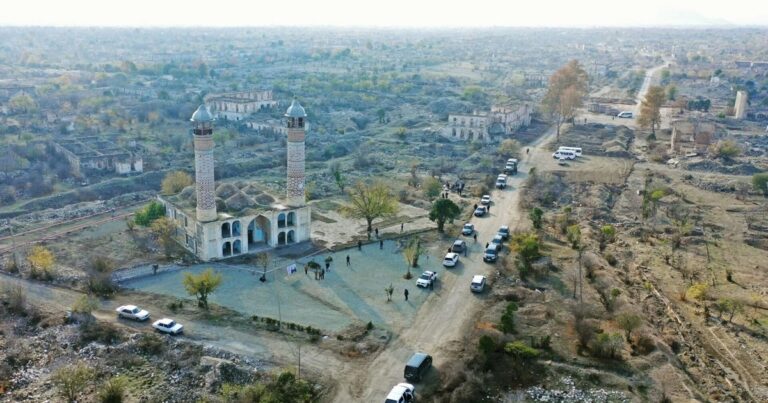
{"points": [[231, 219]]}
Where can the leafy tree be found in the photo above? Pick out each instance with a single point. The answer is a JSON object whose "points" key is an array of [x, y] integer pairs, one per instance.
{"points": [[508, 318], [338, 177], [527, 245], [607, 345], [486, 344], [671, 92], [629, 322], [760, 183], [650, 108], [152, 211], [443, 210], [163, 229], [536, 215], [370, 202], [72, 379], [729, 306], [22, 102], [727, 149], [573, 233], [174, 182], [202, 285], [85, 304], [520, 350], [567, 88], [509, 148], [42, 261], [432, 188]]}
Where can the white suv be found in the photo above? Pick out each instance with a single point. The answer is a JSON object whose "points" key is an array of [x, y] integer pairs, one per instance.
{"points": [[478, 283], [401, 393]]}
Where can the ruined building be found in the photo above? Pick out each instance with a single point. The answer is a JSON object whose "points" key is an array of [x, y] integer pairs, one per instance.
{"points": [[691, 136], [237, 105], [501, 122], [216, 222], [94, 153]]}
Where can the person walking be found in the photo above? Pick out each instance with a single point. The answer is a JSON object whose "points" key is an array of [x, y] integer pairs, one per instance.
{"points": [[488, 208], [359, 245], [527, 150], [322, 274], [486, 245], [475, 206], [381, 244], [306, 270], [376, 230], [406, 294], [348, 264], [466, 250], [401, 226], [475, 236]]}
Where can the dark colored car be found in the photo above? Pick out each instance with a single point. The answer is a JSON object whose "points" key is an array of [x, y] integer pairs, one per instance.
{"points": [[417, 366]]}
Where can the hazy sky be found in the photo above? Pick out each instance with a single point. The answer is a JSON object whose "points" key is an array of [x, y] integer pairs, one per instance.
{"points": [[383, 13]]}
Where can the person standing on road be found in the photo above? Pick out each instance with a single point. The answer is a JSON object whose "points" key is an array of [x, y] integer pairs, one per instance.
{"points": [[488, 208], [401, 226], [475, 236], [348, 261], [466, 250], [360, 244], [376, 230], [406, 294], [381, 244], [486, 245]]}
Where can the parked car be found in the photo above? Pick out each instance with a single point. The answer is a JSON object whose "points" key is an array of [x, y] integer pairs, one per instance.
{"points": [[497, 240], [504, 232], [562, 161], [169, 326], [417, 365], [478, 283], [401, 393], [480, 211], [486, 199], [426, 279], [491, 254], [132, 312], [458, 246], [501, 181], [451, 259], [468, 229], [625, 115]]}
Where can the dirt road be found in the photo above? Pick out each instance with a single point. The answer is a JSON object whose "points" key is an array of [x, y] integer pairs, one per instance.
{"points": [[447, 316]]}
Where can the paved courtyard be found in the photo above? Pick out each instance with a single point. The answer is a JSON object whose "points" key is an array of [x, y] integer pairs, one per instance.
{"points": [[346, 295]]}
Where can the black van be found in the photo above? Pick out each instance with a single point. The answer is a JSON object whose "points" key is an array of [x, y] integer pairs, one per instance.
{"points": [[417, 366]]}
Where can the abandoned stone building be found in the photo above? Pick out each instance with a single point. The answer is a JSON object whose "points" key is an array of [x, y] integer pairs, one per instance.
{"points": [[94, 153], [691, 136], [237, 105], [499, 123], [740, 106], [216, 222]]}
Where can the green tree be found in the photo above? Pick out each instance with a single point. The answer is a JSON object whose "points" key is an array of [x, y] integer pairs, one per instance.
{"points": [[573, 233], [650, 108], [72, 379], [163, 229], [338, 176], [370, 202], [629, 322], [727, 150], [671, 92], [760, 183], [150, 212], [443, 210], [536, 215], [520, 350], [41, 260], [526, 245], [567, 88], [22, 103], [432, 188], [174, 182], [607, 235], [509, 148], [507, 324], [486, 345], [202, 285]]}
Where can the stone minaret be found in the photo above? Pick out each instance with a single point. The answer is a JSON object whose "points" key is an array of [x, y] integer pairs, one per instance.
{"points": [[202, 129], [296, 119]]}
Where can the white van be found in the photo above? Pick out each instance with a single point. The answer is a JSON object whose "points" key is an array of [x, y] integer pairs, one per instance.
{"points": [[567, 154], [625, 114], [576, 150]]}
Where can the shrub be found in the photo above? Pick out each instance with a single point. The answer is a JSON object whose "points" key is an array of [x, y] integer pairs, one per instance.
{"points": [[150, 344], [644, 343], [113, 390], [105, 333], [521, 351], [607, 345], [85, 304], [149, 213], [369, 326], [760, 183], [508, 318], [486, 344], [698, 291], [70, 380], [610, 259]]}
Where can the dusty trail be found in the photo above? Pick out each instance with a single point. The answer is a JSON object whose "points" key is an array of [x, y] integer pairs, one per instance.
{"points": [[446, 318]]}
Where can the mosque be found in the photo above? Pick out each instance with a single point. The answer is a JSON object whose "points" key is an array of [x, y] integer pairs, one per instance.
{"points": [[253, 221]]}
